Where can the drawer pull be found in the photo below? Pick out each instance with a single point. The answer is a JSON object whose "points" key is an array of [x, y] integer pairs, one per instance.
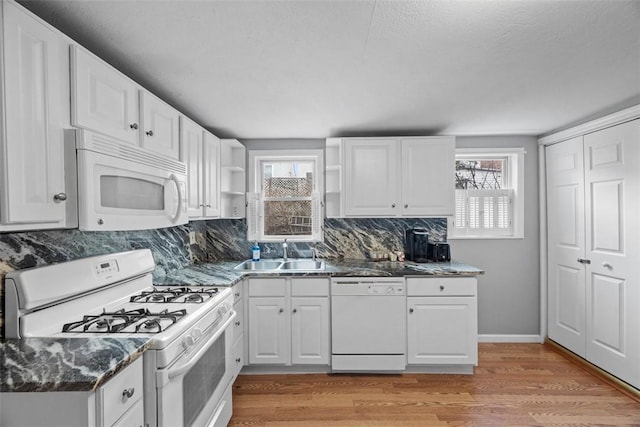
{"points": [[411, 310], [238, 360], [127, 393], [237, 294], [237, 323], [442, 287]]}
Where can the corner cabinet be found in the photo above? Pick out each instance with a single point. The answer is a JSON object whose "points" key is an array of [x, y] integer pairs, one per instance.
{"points": [[288, 321], [442, 321], [389, 177], [37, 184]]}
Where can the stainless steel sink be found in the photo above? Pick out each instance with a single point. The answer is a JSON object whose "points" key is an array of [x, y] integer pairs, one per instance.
{"points": [[275, 265], [258, 265], [302, 264]]}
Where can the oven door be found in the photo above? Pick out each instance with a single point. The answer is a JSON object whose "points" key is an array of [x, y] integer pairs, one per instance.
{"points": [[191, 389], [136, 191]]}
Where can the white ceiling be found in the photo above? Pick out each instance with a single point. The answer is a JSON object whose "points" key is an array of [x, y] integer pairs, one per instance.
{"points": [[313, 69]]}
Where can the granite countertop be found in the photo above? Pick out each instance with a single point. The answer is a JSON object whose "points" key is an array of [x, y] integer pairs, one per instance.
{"points": [[83, 364], [222, 273], [64, 364]]}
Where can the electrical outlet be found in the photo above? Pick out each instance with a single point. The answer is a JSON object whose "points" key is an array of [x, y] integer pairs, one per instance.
{"points": [[192, 237]]}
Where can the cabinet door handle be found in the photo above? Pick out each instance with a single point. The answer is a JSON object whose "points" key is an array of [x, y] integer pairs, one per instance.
{"points": [[406, 206], [393, 205], [607, 265], [295, 310], [127, 393], [149, 133], [238, 360], [442, 287], [60, 197], [281, 310], [237, 323], [134, 126], [584, 261], [237, 294], [411, 310]]}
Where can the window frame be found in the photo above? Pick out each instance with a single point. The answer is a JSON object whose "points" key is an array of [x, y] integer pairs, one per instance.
{"points": [[512, 178], [256, 199]]}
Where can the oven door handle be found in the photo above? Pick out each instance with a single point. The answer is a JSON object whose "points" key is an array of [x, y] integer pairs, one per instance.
{"points": [[193, 359]]}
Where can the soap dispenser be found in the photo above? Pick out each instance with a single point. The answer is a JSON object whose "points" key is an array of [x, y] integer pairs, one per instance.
{"points": [[255, 252]]}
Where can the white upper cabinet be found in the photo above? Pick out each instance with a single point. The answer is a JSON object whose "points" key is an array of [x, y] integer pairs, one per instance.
{"points": [[211, 175], [200, 151], [399, 176], [160, 125], [372, 181], [102, 98], [191, 135], [232, 179], [428, 166], [34, 192], [106, 101]]}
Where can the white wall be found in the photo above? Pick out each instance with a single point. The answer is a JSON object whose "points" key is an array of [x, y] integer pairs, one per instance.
{"points": [[509, 291]]}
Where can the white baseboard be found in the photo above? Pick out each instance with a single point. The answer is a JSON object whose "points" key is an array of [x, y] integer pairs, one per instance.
{"points": [[510, 338]]}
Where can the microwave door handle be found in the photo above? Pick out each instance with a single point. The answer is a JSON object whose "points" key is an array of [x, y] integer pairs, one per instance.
{"points": [[174, 178], [194, 358]]}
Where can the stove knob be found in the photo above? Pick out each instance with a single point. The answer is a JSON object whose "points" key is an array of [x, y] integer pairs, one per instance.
{"points": [[197, 333], [188, 341]]}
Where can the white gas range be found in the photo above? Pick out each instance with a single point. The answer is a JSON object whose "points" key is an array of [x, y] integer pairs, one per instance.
{"points": [[188, 369]]}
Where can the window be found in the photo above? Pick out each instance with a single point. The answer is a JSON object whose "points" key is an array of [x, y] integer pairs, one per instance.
{"points": [[489, 200], [284, 200]]}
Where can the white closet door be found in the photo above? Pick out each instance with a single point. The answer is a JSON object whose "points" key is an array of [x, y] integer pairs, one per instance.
{"points": [[566, 275], [612, 181]]}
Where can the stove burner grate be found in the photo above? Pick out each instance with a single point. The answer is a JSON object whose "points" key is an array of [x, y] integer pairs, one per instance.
{"points": [[133, 321], [175, 295]]}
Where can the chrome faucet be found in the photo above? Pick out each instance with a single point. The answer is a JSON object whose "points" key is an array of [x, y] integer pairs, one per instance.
{"points": [[314, 252], [284, 249]]}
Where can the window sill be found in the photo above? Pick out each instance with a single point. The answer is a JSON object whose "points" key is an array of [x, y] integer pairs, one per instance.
{"points": [[484, 237]]}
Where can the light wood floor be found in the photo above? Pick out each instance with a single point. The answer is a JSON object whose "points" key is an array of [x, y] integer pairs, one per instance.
{"points": [[513, 385]]}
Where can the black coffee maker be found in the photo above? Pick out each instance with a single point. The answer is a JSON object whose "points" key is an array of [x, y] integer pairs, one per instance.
{"points": [[416, 245]]}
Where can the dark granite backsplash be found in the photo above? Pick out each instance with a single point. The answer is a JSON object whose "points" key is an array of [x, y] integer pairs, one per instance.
{"points": [[215, 240], [344, 238]]}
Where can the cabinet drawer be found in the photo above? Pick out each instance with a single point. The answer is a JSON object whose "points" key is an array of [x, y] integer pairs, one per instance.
{"points": [[441, 286], [238, 358], [114, 399], [267, 287], [238, 292], [310, 287]]}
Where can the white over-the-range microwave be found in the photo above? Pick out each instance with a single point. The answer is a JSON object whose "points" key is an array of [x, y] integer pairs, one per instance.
{"points": [[124, 187]]}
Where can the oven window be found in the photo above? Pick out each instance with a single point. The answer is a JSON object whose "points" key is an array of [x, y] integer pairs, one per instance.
{"points": [[130, 193], [201, 381]]}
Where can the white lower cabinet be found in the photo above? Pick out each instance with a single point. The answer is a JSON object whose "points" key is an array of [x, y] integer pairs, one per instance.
{"points": [[442, 321], [117, 403], [238, 329], [288, 321]]}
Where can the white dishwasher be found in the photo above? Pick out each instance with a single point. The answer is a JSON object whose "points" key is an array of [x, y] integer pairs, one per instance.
{"points": [[368, 325]]}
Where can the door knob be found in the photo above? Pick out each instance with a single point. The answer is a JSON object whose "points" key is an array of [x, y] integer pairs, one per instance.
{"points": [[60, 197]]}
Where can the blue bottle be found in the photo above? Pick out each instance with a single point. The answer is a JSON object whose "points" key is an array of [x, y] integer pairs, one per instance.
{"points": [[255, 252]]}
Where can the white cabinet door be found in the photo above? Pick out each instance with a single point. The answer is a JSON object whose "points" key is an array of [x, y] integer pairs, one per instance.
{"points": [[310, 331], [32, 140], [102, 98], [612, 202], [371, 177], [160, 126], [428, 166], [191, 135], [269, 331], [442, 330], [566, 244], [211, 175]]}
